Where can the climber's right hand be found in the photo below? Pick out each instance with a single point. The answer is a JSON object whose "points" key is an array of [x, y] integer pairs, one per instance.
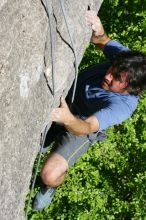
{"points": [[99, 36]]}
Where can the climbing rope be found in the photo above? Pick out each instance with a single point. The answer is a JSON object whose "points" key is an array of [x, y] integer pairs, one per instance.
{"points": [[73, 48], [52, 38], [49, 11], [43, 135]]}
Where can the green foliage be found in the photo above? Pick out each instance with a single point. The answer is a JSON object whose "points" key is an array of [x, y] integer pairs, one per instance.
{"points": [[109, 181]]}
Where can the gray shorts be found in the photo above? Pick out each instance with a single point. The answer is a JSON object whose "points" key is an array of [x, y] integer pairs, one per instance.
{"points": [[68, 145]]}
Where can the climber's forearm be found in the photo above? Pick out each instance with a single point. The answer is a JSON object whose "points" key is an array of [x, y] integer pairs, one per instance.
{"points": [[100, 41], [78, 126], [72, 123]]}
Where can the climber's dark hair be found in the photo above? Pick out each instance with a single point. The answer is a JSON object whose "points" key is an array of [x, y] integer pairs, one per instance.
{"points": [[134, 63]]}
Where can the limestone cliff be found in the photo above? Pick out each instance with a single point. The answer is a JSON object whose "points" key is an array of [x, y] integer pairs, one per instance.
{"points": [[25, 82]]}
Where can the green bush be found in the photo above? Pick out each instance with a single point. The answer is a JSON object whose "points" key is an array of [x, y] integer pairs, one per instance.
{"points": [[109, 181]]}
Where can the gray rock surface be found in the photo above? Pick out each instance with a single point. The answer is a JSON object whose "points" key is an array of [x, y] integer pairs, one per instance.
{"points": [[25, 97]]}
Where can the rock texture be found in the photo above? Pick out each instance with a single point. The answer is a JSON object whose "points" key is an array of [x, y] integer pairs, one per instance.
{"points": [[25, 82]]}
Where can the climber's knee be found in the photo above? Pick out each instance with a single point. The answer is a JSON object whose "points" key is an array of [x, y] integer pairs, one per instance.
{"points": [[54, 169]]}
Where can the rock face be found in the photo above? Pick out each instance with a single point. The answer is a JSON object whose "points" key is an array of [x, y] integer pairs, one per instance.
{"points": [[25, 84]]}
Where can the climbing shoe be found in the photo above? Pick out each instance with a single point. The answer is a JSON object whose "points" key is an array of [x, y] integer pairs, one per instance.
{"points": [[43, 198]]}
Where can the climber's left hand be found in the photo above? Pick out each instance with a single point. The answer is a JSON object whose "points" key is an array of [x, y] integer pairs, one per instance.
{"points": [[62, 114]]}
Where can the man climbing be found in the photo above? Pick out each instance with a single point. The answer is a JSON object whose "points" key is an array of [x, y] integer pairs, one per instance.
{"points": [[106, 94]]}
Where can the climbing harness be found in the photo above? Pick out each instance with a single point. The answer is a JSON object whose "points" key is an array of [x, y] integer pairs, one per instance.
{"points": [[49, 12]]}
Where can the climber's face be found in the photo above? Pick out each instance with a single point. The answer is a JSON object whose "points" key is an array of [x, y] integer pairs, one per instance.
{"points": [[115, 85]]}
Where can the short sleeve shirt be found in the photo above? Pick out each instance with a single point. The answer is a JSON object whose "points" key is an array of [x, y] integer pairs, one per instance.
{"points": [[110, 108]]}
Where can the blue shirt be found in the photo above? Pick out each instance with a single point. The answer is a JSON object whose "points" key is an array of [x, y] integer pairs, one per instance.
{"points": [[110, 108]]}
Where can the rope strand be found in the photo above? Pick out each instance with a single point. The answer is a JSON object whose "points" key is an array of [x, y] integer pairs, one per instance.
{"points": [[43, 137], [74, 50]]}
